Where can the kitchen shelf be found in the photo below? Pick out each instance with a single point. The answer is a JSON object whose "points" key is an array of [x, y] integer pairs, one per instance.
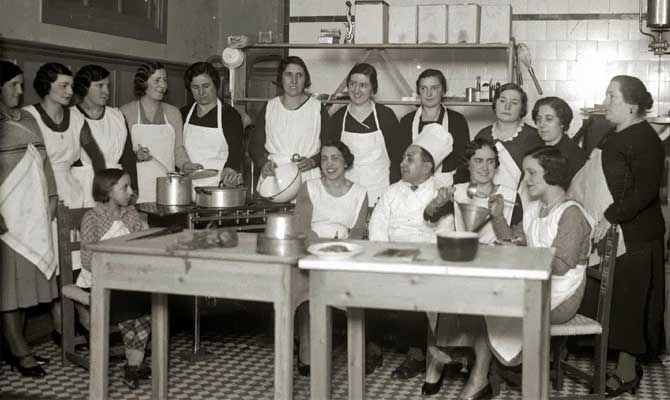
{"points": [[364, 46], [385, 102]]}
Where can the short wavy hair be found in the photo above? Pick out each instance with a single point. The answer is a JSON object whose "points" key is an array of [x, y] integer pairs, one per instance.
{"points": [[46, 75], [85, 76], [367, 70], [199, 68], [560, 107], [432, 73], [518, 89], [476, 144], [142, 75], [554, 164], [344, 149]]}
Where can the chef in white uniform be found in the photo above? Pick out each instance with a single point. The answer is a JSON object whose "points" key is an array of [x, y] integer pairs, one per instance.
{"points": [[291, 127], [105, 139], [212, 130]]}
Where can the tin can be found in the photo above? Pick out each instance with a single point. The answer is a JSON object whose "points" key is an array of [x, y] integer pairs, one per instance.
{"points": [[470, 94]]}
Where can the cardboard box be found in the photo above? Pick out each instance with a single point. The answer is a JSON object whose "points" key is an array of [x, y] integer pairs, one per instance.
{"points": [[496, 24], [403, 24], [372, 20], [433, 23], [463, 23]]}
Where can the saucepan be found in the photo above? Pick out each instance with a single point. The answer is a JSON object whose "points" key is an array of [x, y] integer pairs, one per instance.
{"points": [[220, 196], [173, 190]]}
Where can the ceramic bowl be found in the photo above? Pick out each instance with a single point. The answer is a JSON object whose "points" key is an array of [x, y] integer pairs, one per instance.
{"points": [[457, 246], [283, 186]]}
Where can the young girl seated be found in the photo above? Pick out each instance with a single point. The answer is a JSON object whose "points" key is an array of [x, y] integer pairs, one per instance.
{"points": [[112, 217]]}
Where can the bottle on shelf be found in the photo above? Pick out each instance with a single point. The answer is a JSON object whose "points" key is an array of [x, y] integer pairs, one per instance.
{"points": [[485, 94], [478, 88]]}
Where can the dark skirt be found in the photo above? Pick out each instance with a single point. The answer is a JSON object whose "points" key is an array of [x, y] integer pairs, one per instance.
{"points": [[22, 284], [638, 301]]}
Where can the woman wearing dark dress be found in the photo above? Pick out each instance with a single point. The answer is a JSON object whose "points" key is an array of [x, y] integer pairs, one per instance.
{"points": [[552, 116], [627, 167], [513, 137], [371, 131]]}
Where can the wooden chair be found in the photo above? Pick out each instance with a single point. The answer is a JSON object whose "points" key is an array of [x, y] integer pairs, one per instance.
{"points": [[69, 220], [581, 325]]}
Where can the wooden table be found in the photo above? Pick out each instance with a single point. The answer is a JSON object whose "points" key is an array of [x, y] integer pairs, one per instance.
{"points": [[505, 281], [154, 265]]}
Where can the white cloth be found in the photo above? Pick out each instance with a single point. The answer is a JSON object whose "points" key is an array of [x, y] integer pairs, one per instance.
{"points": [[289, 132], [589, 187], [334, 216], [160, 139], [110, 135], [442, 178], [437, 141], [64, 149], [486, 233], [505, 334], [372, 165], [24, 204], [117, 229], [206, 146], [398, 216]]}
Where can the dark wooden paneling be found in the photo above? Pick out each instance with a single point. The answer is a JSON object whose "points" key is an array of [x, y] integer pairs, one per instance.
{"points": [[31, 55]]}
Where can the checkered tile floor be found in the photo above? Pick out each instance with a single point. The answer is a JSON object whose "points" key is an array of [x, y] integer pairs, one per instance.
{"points": [[241, 368]]}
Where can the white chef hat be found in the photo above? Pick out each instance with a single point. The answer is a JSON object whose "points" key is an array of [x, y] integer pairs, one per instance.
{"points": [[437, 141]]}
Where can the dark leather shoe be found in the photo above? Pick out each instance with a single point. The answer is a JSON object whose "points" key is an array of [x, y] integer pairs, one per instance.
{"points": [[429, 389], [303, 369], [623, 387], [372, 362], [41, 360], [484, 393], [30, 372], [409, 368]]}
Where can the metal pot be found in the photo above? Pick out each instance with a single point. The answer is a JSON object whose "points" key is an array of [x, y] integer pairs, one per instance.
{"points": [[280, 226], [173, 190], [220, 197]]}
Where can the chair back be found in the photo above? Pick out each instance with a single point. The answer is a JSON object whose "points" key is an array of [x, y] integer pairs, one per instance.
{"points": [[605, 274], [68, 220]]}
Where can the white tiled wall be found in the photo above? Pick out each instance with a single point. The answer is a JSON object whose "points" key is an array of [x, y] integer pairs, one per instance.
{"points": [[573, 59]]}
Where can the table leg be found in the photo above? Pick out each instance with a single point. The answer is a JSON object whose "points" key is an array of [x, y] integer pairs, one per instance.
{"points": [[283, 349], [159, 345], [99, 342], [321, 346], [536, 341], [356, 352], [197, 354]]}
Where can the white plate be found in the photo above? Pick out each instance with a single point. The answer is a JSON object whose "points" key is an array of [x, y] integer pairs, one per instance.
{"points": [[321, 250]]}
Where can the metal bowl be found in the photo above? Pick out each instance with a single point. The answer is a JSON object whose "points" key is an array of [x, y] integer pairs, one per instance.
{"points": [[290, 247], [474, 217]]}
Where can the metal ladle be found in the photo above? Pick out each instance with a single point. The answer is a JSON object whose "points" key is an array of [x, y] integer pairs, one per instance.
{"points": [[472, 192]]}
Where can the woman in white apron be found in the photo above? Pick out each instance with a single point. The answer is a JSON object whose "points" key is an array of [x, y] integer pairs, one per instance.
{"points": [[431, 85], [512, 136], [291, 127], [213, 130], [330, 207], [104, 139], [371, 131], [550, 220], [156, 130], [27, 203]]}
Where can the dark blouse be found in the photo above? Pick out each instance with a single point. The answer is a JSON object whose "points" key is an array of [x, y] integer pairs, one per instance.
{"points": [[576, 155], [525, 141], [389, 126], [458, 127], [233, 130], [633, 166]]}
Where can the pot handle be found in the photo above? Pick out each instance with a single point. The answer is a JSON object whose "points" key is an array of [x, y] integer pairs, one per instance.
{"points": [[202, 190]]}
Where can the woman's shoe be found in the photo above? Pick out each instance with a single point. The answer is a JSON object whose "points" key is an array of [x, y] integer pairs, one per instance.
{"points": [[630, 386], [429, 389], [41, 360], [30, 372], [303, 369], [484, 393]]}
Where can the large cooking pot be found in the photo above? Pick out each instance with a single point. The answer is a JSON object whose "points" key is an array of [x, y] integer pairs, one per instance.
{"points": [[173, 190], [220, 197]]}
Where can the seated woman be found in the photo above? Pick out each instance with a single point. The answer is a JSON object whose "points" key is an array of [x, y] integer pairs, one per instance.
{"points": [[328, 207], [550, 220], [112, 217]]}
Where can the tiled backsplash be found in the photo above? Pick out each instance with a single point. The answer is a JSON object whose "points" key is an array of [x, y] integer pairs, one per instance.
{"points": [[572, 58]]}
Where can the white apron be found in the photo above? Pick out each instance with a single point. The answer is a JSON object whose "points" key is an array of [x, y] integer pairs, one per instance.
{"points": [[110, 134], [486, 233], [24, 204], [289, 132], [160, 139], [506, 334], [117, 229], [589, 187], [333, 217], [206, 146], [442, 178], [372, 164]]}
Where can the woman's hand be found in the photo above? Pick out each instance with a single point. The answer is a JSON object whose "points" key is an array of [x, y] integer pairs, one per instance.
{"points": [[496, 205], [305, 164], [189, 167], [230, 177], [600, 230], [143, 153], [268, 169]]}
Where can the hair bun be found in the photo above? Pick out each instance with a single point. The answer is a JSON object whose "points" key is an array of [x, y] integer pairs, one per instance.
{"points": [[647, 101]]}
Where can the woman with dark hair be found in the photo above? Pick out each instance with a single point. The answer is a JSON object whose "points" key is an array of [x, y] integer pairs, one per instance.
{"points": [[619, 184], [512, 136], [104, 139], [27, 255], [156, 130], [552, 116], [291, 127], [431, 86], [213, 130], [371, 131], [61, 129], [326, 208]]}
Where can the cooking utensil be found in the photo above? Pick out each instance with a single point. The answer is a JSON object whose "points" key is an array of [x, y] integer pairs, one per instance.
{"points": [[161, 232], [523, 54], [283, 186], [280, 226], [472, 193], [220, 197], [288, 247], [173, 190], [474, 217]]}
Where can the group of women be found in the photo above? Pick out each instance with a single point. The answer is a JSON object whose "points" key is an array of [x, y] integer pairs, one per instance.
{"points": [[528, 176]]}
